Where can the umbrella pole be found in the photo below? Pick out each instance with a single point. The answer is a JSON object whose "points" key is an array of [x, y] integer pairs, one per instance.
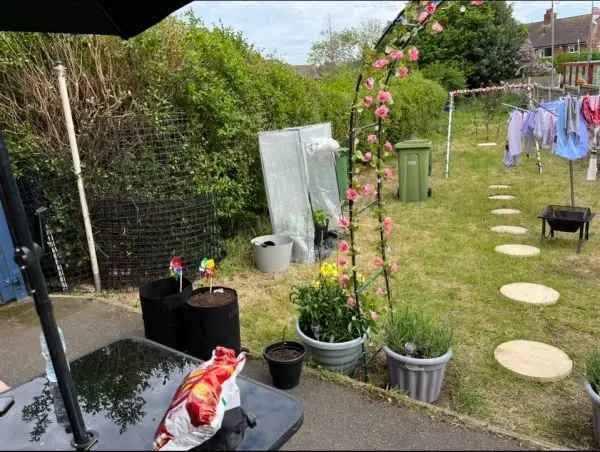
{"points": [[27, 258], [572, 186], [64, 96]]}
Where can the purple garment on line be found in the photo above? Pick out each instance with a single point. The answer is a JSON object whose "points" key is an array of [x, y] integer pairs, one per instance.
{"points": [[515, 127]]}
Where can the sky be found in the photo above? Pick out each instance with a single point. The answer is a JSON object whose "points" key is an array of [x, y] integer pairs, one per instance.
{"points": [[286, 29]]}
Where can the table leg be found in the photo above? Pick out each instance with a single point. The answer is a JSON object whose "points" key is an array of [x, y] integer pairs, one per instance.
{"points": [[543, 229]]}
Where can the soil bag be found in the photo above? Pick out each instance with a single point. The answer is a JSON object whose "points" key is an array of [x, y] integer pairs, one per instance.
{"points": [[197, 408]]}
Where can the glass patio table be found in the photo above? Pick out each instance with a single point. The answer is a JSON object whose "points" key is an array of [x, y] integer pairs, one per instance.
{"points": [[124, 390]]}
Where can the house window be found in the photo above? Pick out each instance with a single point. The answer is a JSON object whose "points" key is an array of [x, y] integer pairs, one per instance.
{"points": [[572, 49], [547, 51]]}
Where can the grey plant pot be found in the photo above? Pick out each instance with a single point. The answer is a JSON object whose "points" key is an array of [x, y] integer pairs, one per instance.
{"points": [[421, 378], [596, 410], [335, 356], [273, 259]]}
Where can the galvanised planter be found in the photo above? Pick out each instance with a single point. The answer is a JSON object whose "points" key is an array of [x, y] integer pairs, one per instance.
{"points": [[335, 356], [421, 378], [595, 398]]}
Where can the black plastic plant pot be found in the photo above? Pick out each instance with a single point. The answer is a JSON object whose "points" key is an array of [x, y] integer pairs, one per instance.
{"points": [[285, 363], [162, 305], [211, 319]]}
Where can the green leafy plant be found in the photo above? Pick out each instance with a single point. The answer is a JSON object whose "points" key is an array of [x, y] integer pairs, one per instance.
{"points": [[449, 75], [413, 333], [592, 370], [327, 313], [320, 217]]}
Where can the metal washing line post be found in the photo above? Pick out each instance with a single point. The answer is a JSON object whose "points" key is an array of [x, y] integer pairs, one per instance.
{"points": [[64, 96]]}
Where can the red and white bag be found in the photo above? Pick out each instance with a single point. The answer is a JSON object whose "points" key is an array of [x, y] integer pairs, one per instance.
{"points": [[197, 408]]}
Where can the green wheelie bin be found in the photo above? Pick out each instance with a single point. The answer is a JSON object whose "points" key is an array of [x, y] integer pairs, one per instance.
{"points": [[414, 169]]}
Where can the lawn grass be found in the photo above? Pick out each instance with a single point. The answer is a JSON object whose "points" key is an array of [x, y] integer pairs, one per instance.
{"points": [[449, 269]]}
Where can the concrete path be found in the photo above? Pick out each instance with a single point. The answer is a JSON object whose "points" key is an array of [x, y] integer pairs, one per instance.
{"points": [[336, 417]]}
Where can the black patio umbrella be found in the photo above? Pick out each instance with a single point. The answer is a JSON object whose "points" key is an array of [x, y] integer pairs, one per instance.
{"points": [[107, 17]]}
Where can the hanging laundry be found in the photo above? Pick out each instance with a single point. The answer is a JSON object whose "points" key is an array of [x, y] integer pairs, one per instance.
{"points": [[591, 110], [527, 131], [545, 127], [571, 144], [513, 138]]}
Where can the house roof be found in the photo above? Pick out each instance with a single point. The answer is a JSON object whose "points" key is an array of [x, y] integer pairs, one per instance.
{"points": [[566, 31]]}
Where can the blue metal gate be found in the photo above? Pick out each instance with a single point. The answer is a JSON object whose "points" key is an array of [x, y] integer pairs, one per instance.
{"points": [[12, 286]]}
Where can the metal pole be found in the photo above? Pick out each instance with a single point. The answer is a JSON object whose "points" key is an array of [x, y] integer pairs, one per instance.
{"points": [[27, 257], [553, 68], [449, 139], [64, 96], [572, 186]]}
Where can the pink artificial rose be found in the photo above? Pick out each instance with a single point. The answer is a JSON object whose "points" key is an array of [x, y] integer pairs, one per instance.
{"points": [[414, 54], [384, 97], [388, 225], [367, 157], [342, 261], [343, 223], [477, 2], [431, 7], [370, 83], [388, 146], [388, 173], [372, 139], [374, 316], [378, 262], [344, 247], [351, 302], [423, 17], [382, 112], [344, 279], [381, 63], [368, 101], [437, 27], [396, 55], [380, 291], [402, 72], [368, 190], [394, 267], [351, 194]]}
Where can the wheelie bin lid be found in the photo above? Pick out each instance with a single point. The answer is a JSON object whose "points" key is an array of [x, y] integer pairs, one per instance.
{"points": [[413, 144]]}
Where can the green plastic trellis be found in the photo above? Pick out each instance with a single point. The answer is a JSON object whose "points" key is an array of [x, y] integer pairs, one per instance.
{"points": [[399, 34]]}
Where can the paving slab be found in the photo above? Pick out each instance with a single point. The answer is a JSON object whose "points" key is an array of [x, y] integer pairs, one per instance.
{"points": [[502, 197], [505, 229], [517, 250], [530, 293], [534, 360], [506, 212], [499, 187], [336, 417]]}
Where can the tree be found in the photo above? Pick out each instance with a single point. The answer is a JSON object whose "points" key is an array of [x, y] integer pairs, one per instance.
{"points": [[484, 41], [345, 46]]}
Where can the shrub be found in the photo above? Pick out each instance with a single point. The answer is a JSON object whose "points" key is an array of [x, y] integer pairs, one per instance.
{"points": [[592, 370], [446, 74], [415, 334]]}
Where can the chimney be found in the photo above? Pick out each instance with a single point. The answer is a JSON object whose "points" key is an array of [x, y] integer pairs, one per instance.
{"points": [[548, 17]]}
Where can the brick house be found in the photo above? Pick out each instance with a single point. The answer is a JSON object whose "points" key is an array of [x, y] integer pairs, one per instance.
{"points": [[571, 34]]}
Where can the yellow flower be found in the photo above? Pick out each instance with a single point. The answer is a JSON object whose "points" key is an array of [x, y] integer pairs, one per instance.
{"points": [[210, 264], [329, 271]]}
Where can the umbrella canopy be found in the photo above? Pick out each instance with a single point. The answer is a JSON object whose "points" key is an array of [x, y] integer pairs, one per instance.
{"points": [[123, 18]]}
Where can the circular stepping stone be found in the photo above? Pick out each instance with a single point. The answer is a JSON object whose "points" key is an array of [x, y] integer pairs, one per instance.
{"points": [[517, 230], [530, 293], [518, 250], [501, 197], [534, 360], [506, 212], [499, 187]]}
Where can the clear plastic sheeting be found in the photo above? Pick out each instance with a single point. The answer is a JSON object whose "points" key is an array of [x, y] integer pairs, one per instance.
{"points": [[299, 173]]}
